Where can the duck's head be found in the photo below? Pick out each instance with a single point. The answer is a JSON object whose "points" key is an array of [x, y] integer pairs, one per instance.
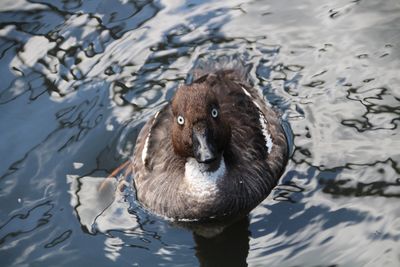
{"points": [[199, 128]]}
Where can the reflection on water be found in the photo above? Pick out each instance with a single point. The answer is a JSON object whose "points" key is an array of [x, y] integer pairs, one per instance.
{"points": [[80, 78], [230, 248], [377, 183]]}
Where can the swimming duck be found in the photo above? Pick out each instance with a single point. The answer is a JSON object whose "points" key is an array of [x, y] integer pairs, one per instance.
{"points": [[214, 152]]}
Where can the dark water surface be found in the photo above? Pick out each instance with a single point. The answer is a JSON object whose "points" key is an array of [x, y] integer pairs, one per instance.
{"points": [[79, 79]]}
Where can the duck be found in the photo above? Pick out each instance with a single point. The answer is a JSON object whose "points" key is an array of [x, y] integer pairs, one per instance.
{"points": [[213, 153]]}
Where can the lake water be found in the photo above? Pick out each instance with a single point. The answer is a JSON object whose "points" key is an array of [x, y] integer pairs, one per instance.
{"points": [[79, 79]]}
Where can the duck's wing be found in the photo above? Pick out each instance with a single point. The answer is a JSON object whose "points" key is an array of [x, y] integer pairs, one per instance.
{"points": [[154, 141], [274, 135], [157, 169], [258, 147]]}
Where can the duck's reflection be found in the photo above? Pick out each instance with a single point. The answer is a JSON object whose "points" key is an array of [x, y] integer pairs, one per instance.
{"points": [[229, 248]]}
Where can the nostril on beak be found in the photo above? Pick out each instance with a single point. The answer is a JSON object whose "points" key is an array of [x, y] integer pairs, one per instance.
{"points": [[209, 160]]}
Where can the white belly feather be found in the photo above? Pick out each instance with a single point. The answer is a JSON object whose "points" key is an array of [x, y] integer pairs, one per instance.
{"points": [[202, 183]]}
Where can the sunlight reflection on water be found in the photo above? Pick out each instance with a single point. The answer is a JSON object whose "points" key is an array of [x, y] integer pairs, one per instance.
{"points": [[79, 79]]}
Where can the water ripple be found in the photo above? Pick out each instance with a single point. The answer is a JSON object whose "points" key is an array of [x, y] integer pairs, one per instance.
{"points": [[80, 78]]}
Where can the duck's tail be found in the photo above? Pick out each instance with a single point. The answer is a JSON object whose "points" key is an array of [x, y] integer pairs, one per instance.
{"points": [[126, 167]]}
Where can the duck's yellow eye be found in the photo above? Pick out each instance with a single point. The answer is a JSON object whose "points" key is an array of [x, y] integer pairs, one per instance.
{"points": [[214, 113], [180, 120]]}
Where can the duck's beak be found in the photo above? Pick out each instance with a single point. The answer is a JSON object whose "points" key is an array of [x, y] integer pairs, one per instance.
{"points": [[204, 148]]}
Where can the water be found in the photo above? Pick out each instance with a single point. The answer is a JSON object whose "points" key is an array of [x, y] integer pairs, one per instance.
{"points": [[79, 79]]}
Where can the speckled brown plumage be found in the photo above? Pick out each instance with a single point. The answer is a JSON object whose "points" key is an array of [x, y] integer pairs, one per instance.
{"points": [[251, 173]]}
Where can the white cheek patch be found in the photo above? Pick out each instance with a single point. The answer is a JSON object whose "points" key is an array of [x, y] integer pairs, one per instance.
{"points": [[146, 143], [202, 183], [263, 122]]}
